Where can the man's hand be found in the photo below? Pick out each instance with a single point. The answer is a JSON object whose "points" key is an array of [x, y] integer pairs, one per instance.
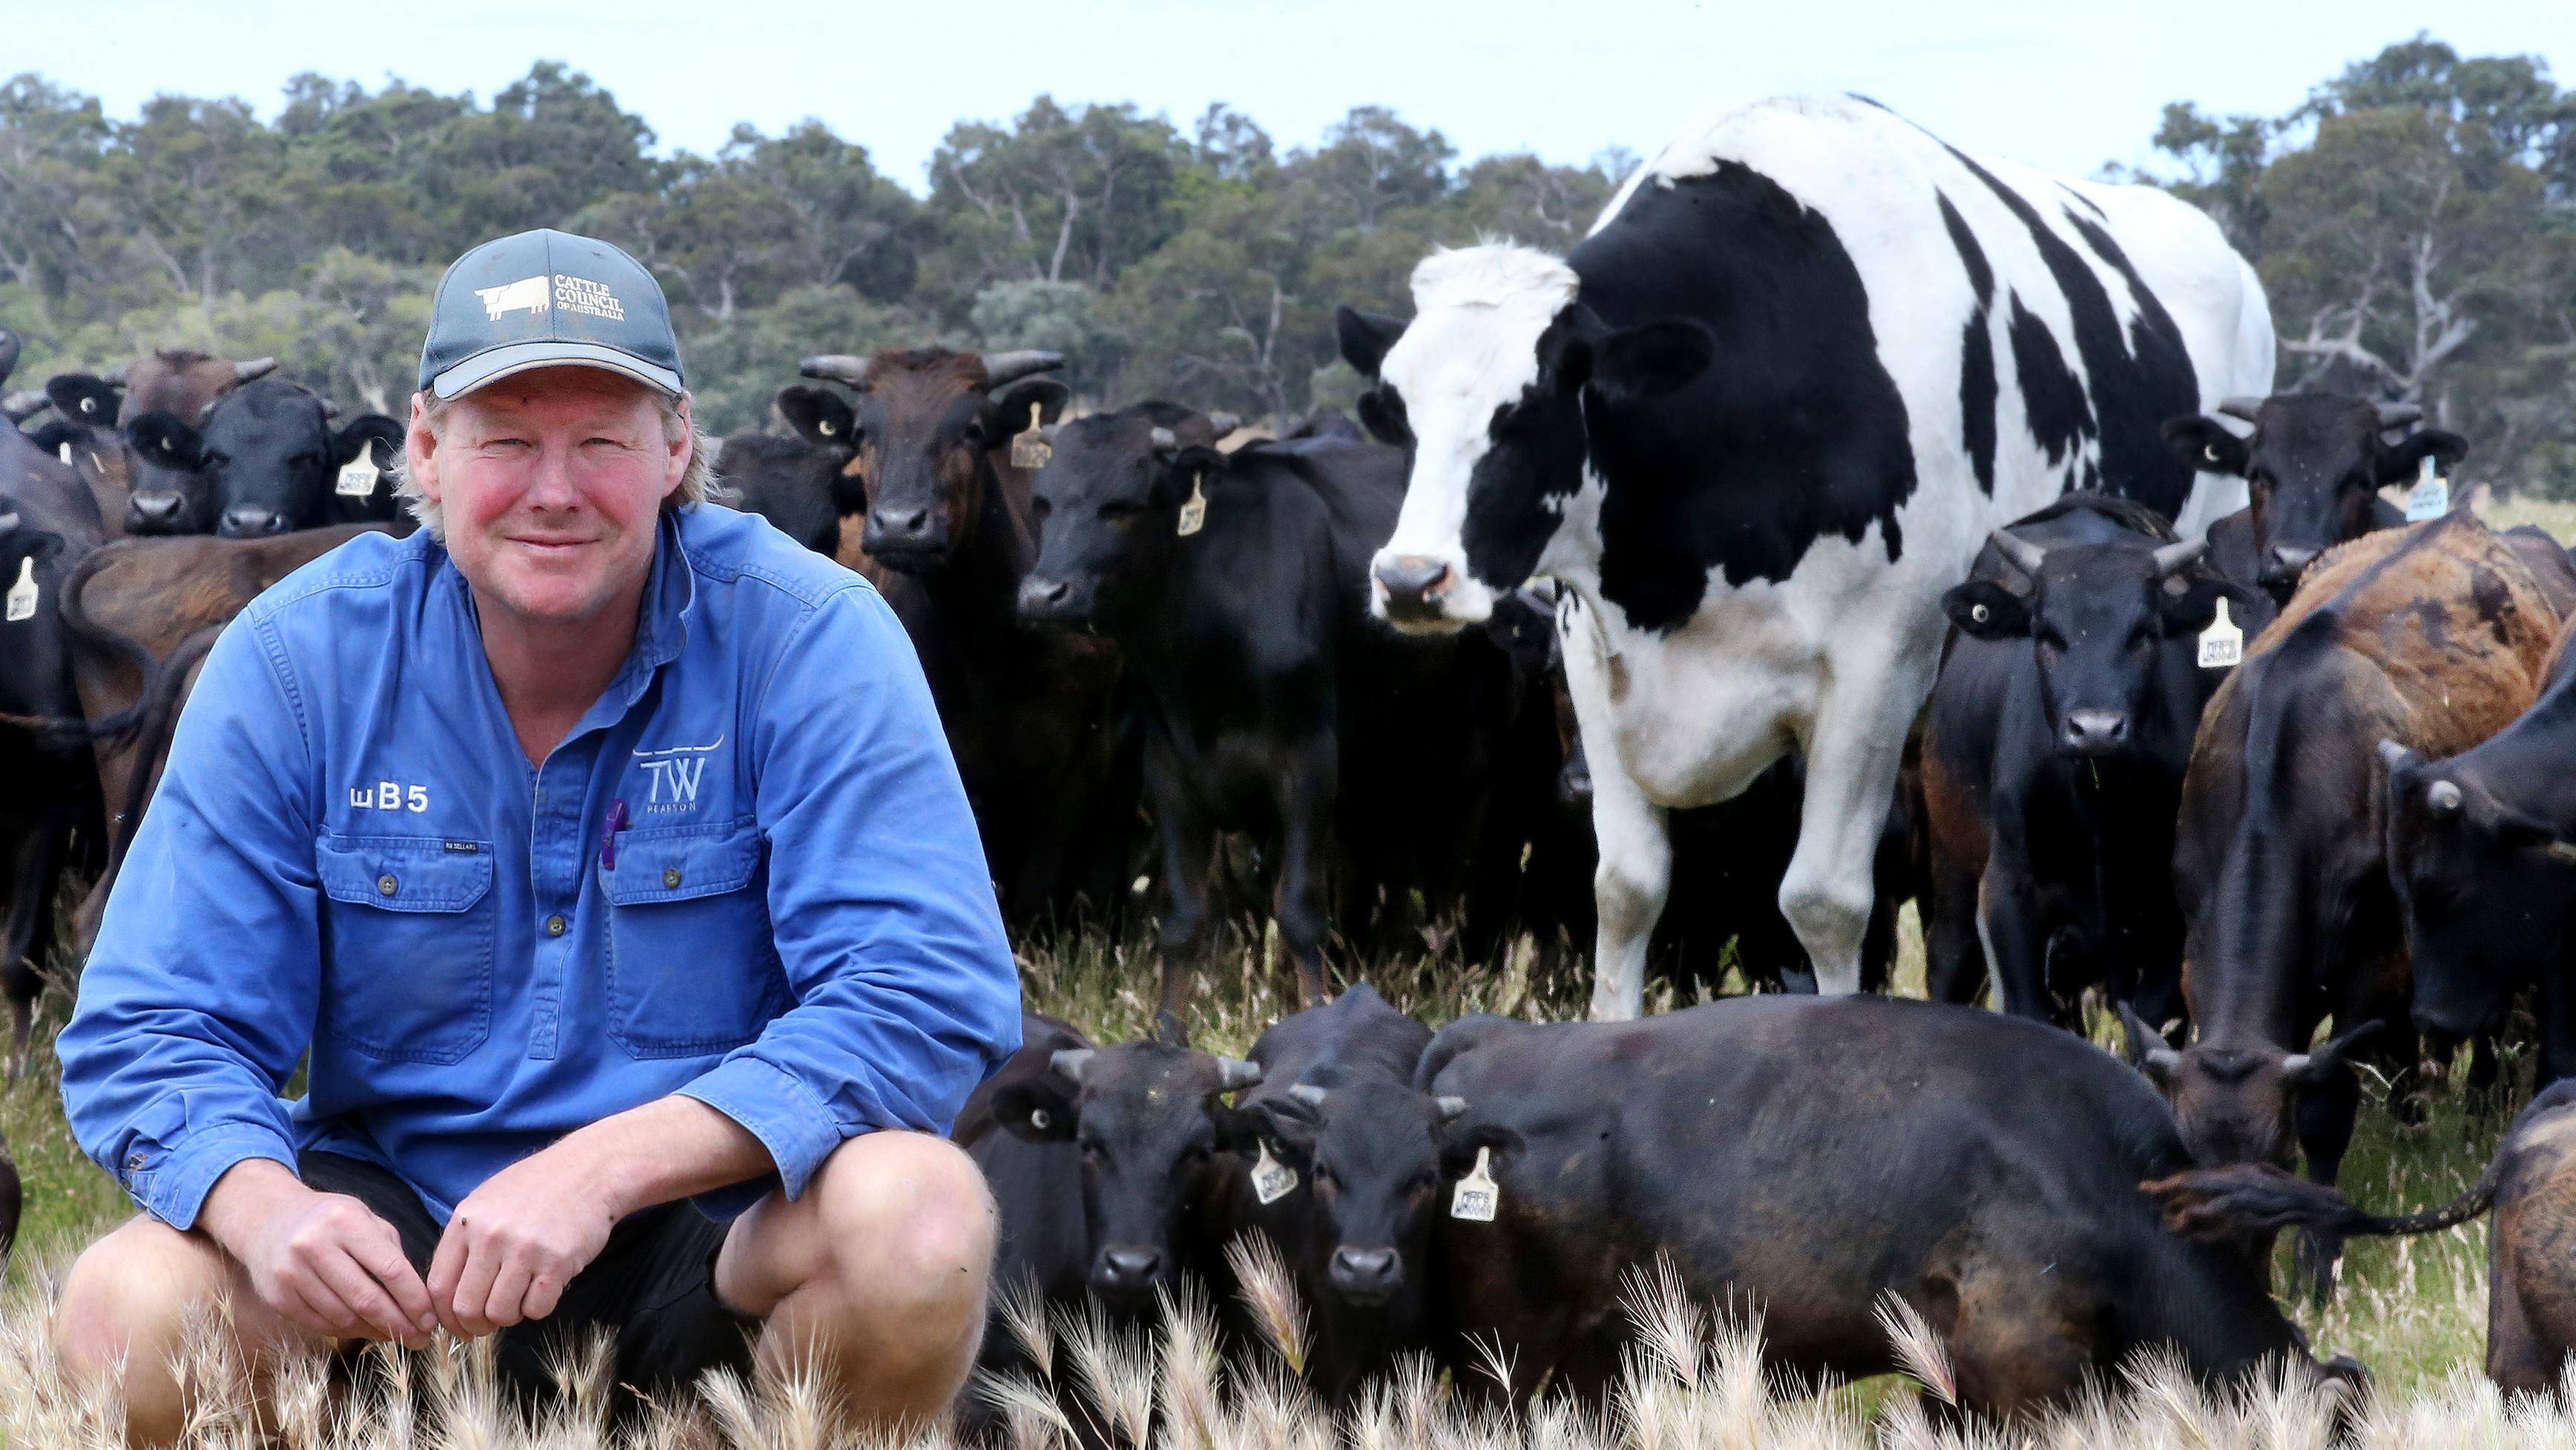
{"points": [[321, 1261], [516, 1241]]}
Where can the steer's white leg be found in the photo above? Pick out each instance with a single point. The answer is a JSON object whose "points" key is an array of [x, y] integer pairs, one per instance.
{"points": [[1627, 888], [1853, 756]]}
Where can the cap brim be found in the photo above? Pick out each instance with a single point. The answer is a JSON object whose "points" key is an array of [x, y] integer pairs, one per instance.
{"points": [[493, 364]]}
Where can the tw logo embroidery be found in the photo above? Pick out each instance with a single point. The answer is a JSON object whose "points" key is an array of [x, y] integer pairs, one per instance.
{"points": [[677, 771], [388, 795], [528, 295]]}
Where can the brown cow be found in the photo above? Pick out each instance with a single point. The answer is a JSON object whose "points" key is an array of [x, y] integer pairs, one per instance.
{"points": [[2434, 636], [947, 535], [182, 382], [167, 598], [2531, 1186]]}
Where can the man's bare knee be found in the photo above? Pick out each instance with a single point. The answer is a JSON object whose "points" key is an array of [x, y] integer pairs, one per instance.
{"points": [[133, 1289], [910, 1224]]}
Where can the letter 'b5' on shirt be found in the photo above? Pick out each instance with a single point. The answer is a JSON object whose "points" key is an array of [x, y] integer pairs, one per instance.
{"points": [[350, 852]]}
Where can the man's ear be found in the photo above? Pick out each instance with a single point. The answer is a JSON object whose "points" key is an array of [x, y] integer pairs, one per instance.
{"points": [[1648, 361], [1987, 610], [2405, 459], [1037, 1109], [1011, 407], [2205, 444], [818, 415], [1365, 337]]}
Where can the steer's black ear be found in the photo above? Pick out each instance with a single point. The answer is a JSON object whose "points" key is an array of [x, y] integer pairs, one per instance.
{"points": [[1011, 405], [1365, 336], [2196, 607], [1197, 464], [1460, 1145], [166, 441], [54, 435], [1382, 413], [1037, 1108], [2205, 444], [1987, 610], [819, 416], [80, 398], [2403, 461], [1650, 360], [386, 433]]}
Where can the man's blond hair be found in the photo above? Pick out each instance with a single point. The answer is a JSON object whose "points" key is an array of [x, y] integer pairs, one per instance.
{"points": [[698, 482]]}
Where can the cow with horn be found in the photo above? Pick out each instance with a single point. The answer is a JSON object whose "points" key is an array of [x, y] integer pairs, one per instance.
{"points": [[940, 448]]}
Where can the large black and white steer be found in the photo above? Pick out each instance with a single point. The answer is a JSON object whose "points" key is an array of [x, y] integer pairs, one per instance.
{"points": [[1756, 423]]}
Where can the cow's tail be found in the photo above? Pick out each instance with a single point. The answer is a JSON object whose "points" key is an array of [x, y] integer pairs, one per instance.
{"points": [[62, 732], [2244, 1198]]}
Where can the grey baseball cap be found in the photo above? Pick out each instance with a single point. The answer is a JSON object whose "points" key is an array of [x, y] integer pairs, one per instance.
{"points": [[547, 299]]}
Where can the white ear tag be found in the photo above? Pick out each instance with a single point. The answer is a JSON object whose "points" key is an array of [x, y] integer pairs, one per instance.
{"points": [[1271, 1179], [1476, 1197], [2430, 498], [2222, 644], [22, 595], [1028, 448], [1194, 512], [64, 452], [358, 476]]}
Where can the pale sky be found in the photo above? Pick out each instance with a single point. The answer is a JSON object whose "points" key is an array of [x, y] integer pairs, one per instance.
{"points": [[2061, 84]]}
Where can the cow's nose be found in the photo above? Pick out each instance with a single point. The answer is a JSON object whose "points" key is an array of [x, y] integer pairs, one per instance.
{"points": [[1044, 598], [2286, 560], [1413, 583], [250, 521], [915, 523], [153, 505], [2090, 730], [1366, 1271], [1127, 1268]]}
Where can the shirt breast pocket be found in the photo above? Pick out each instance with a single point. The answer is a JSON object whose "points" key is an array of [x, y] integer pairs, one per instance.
{"points": [[408, 925], [692, 962]]}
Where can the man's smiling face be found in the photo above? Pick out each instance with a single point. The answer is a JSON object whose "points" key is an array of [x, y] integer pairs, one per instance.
{"points": [[551, 482]]}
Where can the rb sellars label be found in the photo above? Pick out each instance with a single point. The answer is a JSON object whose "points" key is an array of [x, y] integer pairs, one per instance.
{"points": [[358, 476], [1476, 1197], [1271, 1179], [2222, 644], [22, 595], [2430, 498]]}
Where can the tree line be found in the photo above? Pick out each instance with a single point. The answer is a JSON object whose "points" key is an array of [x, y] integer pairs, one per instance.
{"points": [[2414, 221]]}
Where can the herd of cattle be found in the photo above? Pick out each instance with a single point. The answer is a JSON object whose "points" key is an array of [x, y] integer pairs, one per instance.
{"points": [[1843, 521]]}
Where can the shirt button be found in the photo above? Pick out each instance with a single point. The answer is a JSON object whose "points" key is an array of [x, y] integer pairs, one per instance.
{"points": [[670, 876], [386, 884], [134, 1163], [555, 925]]}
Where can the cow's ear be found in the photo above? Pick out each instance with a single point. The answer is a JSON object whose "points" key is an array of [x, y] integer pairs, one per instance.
{"points": [[1195, 468], [1011, 407], [1037, 1108], [1987, 610], [2402, 462], [82, 399], [1382, 413], [2196, 606], [1365, 337], [1650, 360], [2205, 444], [369, 428], [818, 415], [54, 435], [1460, 1145], [167, 442], [1284, 1124]]}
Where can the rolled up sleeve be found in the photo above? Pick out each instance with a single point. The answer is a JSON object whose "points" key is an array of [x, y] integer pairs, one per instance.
{"points": [[200, 995], [906, 993]]}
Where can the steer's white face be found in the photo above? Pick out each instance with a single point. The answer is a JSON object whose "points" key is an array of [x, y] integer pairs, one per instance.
{"points": [[1471, 351]]}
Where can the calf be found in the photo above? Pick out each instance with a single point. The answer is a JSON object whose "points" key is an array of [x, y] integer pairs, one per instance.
{"points": [[2480, 848], [2313, 469], [2053, 757], [947, 538], [1343, 1178], [275, 460], [1154, 1140], [1981, 1168], [2432, 636], [794, 481], [1035, 1176], [2530, 1185]]}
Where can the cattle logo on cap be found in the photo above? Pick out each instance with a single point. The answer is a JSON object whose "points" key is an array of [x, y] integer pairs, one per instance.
{"points": [[582, 295], [528, 294]]}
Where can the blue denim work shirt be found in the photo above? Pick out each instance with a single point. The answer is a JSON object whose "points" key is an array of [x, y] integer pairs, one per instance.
{"points": [[350, 853]]}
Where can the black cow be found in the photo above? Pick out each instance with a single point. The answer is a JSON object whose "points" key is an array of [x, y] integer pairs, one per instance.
{"points": [[1233, 586], [1347, 1158], [275, 462], [2482, 852], [2434, 636], [1983, 1169], [2053, 755], [1035, 1176], [1154, 1139], [796, 480], [2313, 469]]}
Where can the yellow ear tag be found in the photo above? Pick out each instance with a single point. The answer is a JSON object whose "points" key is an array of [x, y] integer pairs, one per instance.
{"points": [[22, 595], [2223, 643], [1028, 449], [1476, 1196], [1194, 512]]}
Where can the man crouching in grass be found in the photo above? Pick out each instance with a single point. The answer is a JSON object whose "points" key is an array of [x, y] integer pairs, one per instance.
{"points": [[604, 852]]}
